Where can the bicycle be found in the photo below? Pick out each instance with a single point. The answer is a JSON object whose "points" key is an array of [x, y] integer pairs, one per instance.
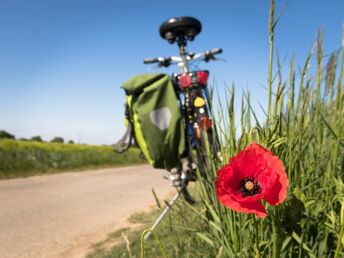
{"points": [[194, 98]]}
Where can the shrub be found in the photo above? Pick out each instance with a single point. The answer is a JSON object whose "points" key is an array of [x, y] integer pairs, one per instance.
{"points": [[57, 140], [6, 135], [36, 139]]}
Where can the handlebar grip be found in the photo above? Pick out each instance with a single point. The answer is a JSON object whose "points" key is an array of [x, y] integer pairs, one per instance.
{"points": [[150, 60], [216, 51]]}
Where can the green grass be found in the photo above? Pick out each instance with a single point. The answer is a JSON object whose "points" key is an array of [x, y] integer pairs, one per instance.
{"points": [[22, 159], [304, 127]]}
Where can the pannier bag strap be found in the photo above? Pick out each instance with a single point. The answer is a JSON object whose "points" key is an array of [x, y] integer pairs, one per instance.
{"points": [[128, 135]]}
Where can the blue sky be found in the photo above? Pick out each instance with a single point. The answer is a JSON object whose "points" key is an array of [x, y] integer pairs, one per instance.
{"points": [[62, 62]]}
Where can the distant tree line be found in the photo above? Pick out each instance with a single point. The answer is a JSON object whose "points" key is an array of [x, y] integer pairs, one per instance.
{"points": [[6, 135]]}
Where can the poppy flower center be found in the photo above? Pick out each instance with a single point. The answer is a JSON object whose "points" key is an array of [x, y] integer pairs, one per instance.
{"points": [[249, 187]]}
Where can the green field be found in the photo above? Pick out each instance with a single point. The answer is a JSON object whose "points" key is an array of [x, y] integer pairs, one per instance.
{"points": [[24, 158]]}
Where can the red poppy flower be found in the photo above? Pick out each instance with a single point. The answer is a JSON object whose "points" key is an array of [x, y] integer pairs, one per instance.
{"points": [[254, 174]]}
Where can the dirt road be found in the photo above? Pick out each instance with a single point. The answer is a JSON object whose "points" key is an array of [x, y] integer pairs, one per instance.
{"points": [[61, 215]]}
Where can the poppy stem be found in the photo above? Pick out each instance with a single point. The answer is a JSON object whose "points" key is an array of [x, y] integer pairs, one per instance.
{"points": [[257, 237], [277, 240]]}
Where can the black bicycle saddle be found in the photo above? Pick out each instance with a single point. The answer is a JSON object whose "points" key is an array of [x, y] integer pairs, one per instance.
{"points": [[180, 27]]}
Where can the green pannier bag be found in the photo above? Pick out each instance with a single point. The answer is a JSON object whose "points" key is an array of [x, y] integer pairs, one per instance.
{"points": [[154, 117]]}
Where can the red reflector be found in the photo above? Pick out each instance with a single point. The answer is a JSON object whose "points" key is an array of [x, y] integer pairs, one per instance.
{"points": [[184, 80], [205, 123], [202, 77]]}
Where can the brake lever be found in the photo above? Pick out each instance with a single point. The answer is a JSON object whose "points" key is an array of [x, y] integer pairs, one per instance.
{"points": [[165, 63], [211, 57]]}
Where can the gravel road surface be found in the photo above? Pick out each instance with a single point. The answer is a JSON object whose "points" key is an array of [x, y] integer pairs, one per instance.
{"points": [[61, 215]]}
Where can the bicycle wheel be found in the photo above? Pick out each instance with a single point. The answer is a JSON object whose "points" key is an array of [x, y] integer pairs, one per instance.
{"points": [[201, 140]]}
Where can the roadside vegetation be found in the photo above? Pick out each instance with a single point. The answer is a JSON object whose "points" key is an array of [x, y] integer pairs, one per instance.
{"points": [[126, 242], [26, 158], [304, 128]]}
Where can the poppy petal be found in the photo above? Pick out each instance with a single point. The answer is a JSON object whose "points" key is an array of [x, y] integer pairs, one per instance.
{"points": [[278, 191], [267, 179], [245, 207], [254, 207], [249, 163]]}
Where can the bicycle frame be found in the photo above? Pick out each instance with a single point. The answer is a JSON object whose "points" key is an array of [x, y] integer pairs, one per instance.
{"points": [[193, 94], [184, 62], [189, 110]]}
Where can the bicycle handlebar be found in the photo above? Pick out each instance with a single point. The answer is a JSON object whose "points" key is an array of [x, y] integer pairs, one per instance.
{"points": [[150, 60], [166, 61]]}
